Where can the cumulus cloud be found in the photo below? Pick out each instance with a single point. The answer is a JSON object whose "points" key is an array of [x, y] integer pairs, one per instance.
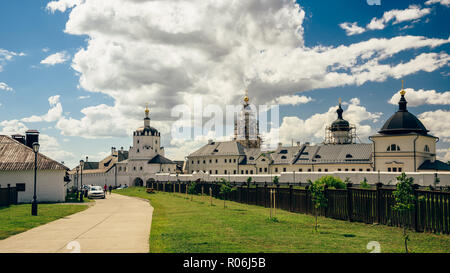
{"points": [[413, 12], [443, 154], [312, 129], [290, 100], [57, 58], [53, 114], [167, 52], [442, 2], [440, 129], [6, 56], [62, 5], [352, 28], [421, 97], [83, 97], [5, 87]]}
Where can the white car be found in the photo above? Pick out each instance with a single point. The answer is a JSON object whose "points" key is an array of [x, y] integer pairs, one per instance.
{"points": [[96, 192]]}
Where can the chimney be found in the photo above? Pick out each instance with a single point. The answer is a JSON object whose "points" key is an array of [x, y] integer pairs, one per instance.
{"points": [[32, 136], [280, 145], [19, 138], [112, 150], [298, 143], [210, 141], [86, 159], [121, 149]]}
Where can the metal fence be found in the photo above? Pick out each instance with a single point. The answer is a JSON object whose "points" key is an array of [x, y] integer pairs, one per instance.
{"points": [[8, 196], [431, 213]]}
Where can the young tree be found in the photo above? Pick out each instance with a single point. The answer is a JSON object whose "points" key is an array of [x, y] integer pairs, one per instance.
{"points": [[249, 181], [364, 184], [191, 189], [225, 188], [276, 180], [404, 201], [317, 190]]}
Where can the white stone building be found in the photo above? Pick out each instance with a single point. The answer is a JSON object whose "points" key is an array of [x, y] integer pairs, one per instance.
{"points": [[134, 167], [17, 169]]}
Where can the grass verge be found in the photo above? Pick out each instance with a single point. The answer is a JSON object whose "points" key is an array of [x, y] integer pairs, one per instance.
{"points": [[180, 225], [17, 218]]}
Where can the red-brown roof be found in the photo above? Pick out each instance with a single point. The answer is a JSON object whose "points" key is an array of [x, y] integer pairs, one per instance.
{"points": [[15, 156]]}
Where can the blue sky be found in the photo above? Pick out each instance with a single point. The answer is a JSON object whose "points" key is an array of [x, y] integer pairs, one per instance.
{"points": [[110, 90]]}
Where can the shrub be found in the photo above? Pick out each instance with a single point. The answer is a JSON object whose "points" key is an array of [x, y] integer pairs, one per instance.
{"points": [[331, 182]]}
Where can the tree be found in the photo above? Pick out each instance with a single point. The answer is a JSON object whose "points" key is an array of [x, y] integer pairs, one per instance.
{"points": [[249, 181], [317, 190], [276, 180], [404, 201], [192, 190], [225, 189], [332, 182], [364, 184]]}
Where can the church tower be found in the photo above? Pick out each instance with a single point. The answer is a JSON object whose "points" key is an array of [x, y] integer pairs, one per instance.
{"points": [[246, 127], [340, 131], [403, 143]]}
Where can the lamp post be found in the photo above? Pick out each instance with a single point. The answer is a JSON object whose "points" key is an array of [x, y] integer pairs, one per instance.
{"points": [[77, 177], [34, 206], [81, 180]]}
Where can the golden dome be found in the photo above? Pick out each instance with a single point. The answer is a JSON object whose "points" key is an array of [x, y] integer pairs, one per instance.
{"points": [[246, 99], [146, 108]]}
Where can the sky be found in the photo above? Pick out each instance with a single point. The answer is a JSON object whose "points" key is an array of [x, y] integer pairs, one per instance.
{"points": [[81, 71]]}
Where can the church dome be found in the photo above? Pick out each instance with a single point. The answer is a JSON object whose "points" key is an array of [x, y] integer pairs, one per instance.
{"points": [[151, 130], [403, 122], [340, 124]]}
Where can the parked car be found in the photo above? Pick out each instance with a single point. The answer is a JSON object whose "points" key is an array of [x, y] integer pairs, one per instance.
{"points": [[122, 187], [96, 192]]}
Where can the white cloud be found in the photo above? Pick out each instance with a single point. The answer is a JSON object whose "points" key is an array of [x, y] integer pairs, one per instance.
{"points": [[440, 129], [57, 58], [413, 12], [167, 52], [5, 87], [442, 2], [290, 100], [6, 56], [62, 5], [83, 97], [53, 114], [312, 129], [443, 154], [45, 49], [421, 97], [352, 28]]}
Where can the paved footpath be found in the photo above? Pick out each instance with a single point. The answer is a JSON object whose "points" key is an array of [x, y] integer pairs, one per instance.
{"points": [[116, 224]]}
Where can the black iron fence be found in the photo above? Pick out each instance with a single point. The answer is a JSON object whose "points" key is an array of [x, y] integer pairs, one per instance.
{"points": [[8, 196], [431, 213]]}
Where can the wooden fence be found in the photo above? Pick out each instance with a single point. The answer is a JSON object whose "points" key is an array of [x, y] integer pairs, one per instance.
{"points": [[431, 213], [8, 196]]}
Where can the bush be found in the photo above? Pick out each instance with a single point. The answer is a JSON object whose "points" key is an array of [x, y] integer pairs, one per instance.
{"points": [[332, 182]]}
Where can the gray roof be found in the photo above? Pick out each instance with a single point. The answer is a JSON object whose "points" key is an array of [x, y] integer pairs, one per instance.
{"points": [[159, 159], [220, 148], [437, 165], [17, 156], [329, 153]]}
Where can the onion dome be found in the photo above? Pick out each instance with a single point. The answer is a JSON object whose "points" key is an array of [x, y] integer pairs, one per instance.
{"points": [[340, 124], [147, 129], [403, 122]]}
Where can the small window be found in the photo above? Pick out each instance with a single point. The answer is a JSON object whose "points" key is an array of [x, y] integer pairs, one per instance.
{"points": [[210, 161], [339, 170], [318, 156], [234, 171], [138, 141], [346, 170], [252, 158], [389, 170], [368, 170], [283, 157], [217, 161], [393, 148], [400, 169], [260, 170], [138, 150], [246, 171], [140, 168], [276, 170], [242, 171], [265, 170], [348, 156], [353, 170], [263, 159], [215, 150], [300, 170], [360, 170], [283, 152], [134, 168], [251, 171], [309, 170], [216, 171], [319, 170], [225, 172], [427, 149], [225, 160], [234, 160], [394, 169], [284, 169], [326, 170]]}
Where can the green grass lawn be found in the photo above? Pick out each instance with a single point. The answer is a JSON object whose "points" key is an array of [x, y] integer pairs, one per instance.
{"points": [[180, 225], [17, 218]]}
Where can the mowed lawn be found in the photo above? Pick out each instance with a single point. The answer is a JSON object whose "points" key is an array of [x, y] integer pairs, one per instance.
{"points": [[180, 225], [17, 218]]}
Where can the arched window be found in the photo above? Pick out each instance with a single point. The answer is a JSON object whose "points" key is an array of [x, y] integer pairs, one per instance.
{"points": [[252, 158], [427, 149], [348, 156], [283, 157], [393, 148], [263, 159], [318, 156]]}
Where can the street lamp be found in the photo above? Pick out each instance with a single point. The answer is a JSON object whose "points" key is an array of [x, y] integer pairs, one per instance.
{"points": [[34, 206], [81, 179]]}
